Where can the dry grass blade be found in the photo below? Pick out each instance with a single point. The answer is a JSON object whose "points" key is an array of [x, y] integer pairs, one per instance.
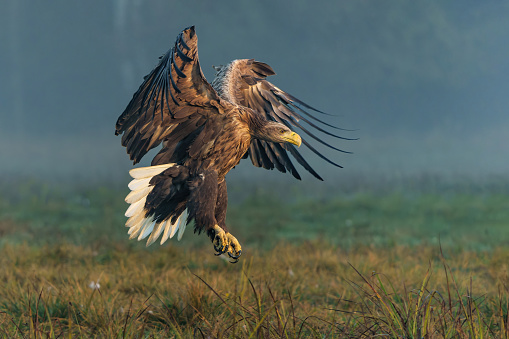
{"points": [[393, 317], [261, 320], [217, 294], [263, 302], [415, 329]]}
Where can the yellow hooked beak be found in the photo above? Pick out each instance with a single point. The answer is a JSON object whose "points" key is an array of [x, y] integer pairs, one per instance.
{"points": [[293, 138]]}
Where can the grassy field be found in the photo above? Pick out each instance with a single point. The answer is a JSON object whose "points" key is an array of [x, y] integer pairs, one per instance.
{"points": [[429, 259]]}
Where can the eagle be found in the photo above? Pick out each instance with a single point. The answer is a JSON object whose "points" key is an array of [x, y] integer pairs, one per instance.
{"points": [[205, 131]]}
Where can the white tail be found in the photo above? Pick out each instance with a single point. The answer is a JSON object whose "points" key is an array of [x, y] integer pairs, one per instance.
{"points": [[150, 171], [141, 226]]}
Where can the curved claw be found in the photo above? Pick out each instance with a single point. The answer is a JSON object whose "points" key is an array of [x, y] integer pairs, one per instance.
{"points": [[219, 252], [235, 256]]}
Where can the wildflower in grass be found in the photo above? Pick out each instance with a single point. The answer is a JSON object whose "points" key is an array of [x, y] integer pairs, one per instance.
{"points": [[94, 285]]}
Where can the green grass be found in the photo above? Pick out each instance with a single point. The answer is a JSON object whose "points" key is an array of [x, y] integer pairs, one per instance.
{"points": [[356, 264], [292, 291], [464, 219]]}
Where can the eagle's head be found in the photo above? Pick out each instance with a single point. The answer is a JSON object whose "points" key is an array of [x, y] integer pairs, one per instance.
{"points": [[276, 132]]}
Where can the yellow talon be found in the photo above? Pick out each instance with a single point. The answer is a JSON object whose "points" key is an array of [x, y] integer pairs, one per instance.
{"points": [[235, 250], [220, 240], [225, 243]]}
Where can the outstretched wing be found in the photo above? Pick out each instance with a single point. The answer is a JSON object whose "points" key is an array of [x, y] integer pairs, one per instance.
{"points": [[252, 90], [174, 101]]}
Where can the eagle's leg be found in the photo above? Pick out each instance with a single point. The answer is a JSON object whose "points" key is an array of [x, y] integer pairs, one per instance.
{"points": [[201, 206], [234, 250], [221, 205]]}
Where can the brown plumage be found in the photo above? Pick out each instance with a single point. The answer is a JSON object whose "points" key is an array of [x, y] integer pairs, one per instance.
{"points": [[205, 131]]}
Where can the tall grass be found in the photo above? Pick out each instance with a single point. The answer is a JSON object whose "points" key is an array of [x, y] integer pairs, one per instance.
{"points": [[359, 265], [310, 291]]}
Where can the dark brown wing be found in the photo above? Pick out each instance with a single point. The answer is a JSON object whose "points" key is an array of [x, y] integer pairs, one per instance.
{"points": [[174, 101], [253, 91]]}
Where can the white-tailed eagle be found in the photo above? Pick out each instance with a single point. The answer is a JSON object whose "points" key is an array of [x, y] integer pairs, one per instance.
{"points": [[205, 131]]}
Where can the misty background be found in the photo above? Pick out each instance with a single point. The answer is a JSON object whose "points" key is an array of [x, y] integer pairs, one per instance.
{"points": [[422, 84]]}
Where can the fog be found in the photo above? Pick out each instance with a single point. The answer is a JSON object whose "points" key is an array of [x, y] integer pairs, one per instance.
{"points": [[423, 85]]}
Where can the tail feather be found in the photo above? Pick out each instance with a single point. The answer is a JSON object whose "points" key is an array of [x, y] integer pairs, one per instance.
{"points": [[147, 229], [139, 183], [136, 208], [137, 230], [182, 227], [142, 225], [166, 232], [150, 171], [172, 228], [134, 230], [156, 232], [138, 194], [175, 228], [134, 220]]}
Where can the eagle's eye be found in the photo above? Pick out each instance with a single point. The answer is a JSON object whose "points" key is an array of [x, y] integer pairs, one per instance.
{"points": [[281, 131]]}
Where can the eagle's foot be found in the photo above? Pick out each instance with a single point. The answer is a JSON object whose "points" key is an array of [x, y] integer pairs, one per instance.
{"points": [[235, 250], [224, 242], [219, 239]]}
